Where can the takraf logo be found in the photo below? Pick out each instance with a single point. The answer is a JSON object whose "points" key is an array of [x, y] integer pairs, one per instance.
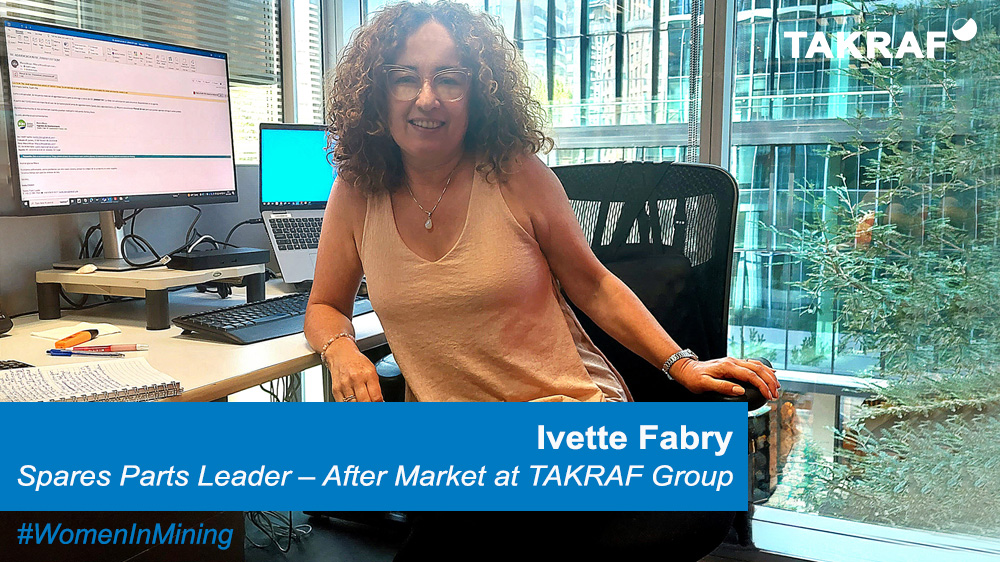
{"points": [[876, 44], [967, 31]]}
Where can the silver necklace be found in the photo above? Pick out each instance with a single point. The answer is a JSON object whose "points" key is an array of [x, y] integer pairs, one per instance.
{"points": [[429, 224]]}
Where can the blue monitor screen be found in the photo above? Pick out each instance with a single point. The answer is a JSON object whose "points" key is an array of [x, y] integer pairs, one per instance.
{"points": [[294, 169]]}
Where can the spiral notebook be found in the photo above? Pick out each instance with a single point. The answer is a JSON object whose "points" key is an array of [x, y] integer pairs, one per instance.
{"points": [[119, 380]]}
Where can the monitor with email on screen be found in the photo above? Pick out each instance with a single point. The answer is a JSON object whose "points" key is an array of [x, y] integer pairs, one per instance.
{"points": [[100, 122]]}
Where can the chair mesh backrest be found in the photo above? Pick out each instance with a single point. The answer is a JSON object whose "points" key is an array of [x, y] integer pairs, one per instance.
{"points": [[666, 229]]}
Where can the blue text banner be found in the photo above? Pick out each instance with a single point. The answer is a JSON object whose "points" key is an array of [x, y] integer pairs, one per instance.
{"points": [[313, 456]]}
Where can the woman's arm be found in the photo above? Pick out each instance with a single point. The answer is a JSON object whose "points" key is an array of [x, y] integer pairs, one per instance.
{"points": [[537, 196], [331, 302]]}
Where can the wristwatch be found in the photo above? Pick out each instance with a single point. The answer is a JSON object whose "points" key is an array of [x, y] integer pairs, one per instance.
{"points": [[682, 354]]}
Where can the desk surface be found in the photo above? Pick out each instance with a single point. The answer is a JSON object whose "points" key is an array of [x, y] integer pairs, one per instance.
{"points": [[207, 370]]}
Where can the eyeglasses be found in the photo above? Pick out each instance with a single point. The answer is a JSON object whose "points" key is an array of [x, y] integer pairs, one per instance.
{"points": [[405, 84]]}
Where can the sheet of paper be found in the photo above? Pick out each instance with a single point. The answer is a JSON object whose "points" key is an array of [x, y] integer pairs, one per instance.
{"points": [[64, 331], [80, 380]]}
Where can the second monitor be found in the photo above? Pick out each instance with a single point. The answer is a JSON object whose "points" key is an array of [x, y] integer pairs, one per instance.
{"points": [[295, 182]]}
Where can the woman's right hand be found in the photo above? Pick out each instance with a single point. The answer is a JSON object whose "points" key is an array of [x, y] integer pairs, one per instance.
{"points": [[353, 376]]}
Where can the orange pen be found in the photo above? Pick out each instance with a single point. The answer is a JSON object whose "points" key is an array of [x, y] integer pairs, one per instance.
{"points": [[76, 339]]}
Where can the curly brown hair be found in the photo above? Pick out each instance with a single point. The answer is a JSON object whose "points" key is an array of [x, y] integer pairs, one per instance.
{"points": [[504, 120]]}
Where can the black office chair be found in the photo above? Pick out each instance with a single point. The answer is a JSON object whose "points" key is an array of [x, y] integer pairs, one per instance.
{"points": [[666, 229]]}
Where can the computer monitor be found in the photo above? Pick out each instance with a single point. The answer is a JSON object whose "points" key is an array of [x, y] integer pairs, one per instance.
{"points": [[99, 122], [296, 177]]}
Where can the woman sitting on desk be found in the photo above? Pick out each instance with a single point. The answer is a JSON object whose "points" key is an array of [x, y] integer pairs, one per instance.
{"points": [[465, 236]]}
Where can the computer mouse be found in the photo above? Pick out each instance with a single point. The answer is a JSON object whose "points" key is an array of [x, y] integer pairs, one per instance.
{"points": [[87, 268]]}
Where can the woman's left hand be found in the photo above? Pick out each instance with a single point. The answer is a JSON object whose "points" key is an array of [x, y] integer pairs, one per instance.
{"points": [[710, 376]]}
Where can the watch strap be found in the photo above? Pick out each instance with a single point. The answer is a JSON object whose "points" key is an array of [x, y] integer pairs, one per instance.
{"points": [[682, 354]]}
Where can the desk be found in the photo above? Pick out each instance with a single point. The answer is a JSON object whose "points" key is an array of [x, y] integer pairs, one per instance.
{"points": [[207, 370]]}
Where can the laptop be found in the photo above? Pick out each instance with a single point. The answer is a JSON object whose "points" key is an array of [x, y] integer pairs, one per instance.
{"points": [[295, 182]]}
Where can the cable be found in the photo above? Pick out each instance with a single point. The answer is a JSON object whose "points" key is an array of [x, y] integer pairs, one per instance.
{"points": [[141, 243], [85, 252], [85, 246], [203, 238], [274, 525], [216, 288], [73, 304], [158, 261], [283, 389], [162, 260], [144, 244], [248, 221], [271, 392], [292, 387], [131, 218], [194, 222], [28, 313], [107, 300], [208, 238]]}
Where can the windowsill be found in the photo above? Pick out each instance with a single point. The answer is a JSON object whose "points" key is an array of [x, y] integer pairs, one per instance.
{"points": [[823, 383], [825, 539], [828, 539]]}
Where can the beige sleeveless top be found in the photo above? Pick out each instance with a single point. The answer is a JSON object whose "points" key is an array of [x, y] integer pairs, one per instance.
{"points": [[485, 322]]}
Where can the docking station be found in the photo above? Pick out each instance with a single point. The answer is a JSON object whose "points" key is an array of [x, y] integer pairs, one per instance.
{"points": [[223, 257]]}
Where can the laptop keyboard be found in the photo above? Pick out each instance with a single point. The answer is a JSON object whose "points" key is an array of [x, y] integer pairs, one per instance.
{"points": [[300, 233]]}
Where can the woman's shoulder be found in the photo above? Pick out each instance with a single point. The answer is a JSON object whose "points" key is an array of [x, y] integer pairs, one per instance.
{"points": [[532, 192], [527, 177], [531, 184], [347, 201]]}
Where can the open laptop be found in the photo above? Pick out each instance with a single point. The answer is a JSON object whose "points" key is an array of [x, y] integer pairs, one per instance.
{"points": [[295, 182]]}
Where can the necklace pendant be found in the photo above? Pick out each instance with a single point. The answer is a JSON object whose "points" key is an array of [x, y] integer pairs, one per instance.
{"points": [[428, 225]]}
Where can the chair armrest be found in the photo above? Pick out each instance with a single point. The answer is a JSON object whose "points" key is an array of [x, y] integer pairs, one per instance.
{"points": [[751, 394]]}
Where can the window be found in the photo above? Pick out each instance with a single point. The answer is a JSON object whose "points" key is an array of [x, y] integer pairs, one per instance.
{"points": [[860, 193], [602, 63], [566, 83], [307, 38]]}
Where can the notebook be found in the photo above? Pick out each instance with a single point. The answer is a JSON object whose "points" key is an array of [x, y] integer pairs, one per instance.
{"points": [[118, 380], [295, 181]]}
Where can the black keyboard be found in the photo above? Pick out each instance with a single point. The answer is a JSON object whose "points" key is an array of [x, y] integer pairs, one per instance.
{"points": [[256, 321], [12, 364], [299, 233]]}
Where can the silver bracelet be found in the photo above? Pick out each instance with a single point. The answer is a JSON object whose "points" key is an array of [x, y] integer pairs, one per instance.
{"points": [[682, 354]]}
